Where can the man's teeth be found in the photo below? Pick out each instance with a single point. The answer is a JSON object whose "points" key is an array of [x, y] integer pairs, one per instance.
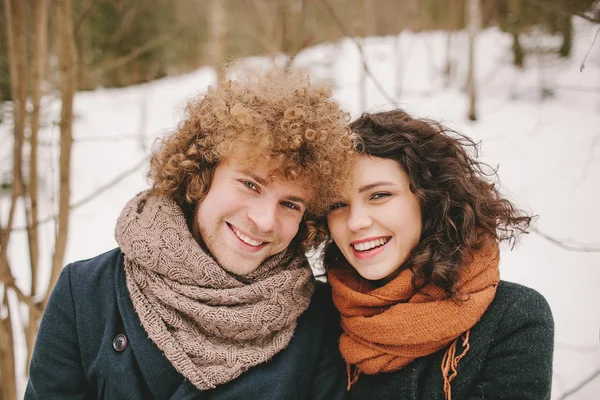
{"points": [[246, 239], [371, 244]]}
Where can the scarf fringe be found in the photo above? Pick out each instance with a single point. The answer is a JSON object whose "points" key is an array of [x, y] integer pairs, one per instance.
{"points": [[353, 372], [450, 362]]}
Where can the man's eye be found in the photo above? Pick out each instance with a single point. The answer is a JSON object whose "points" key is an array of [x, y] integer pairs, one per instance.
{"points": [[250, 185], [337, 205], [290, 205]]}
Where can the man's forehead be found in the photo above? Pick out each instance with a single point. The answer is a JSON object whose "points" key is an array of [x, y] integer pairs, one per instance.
{"points": [[267, 171], [266, 168]]}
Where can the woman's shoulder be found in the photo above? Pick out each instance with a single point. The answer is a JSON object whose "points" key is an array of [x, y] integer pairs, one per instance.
{"points": [[515, 308], [521, 300]]}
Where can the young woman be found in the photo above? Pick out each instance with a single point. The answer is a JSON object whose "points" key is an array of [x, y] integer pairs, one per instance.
{"points": [[414, 269]]}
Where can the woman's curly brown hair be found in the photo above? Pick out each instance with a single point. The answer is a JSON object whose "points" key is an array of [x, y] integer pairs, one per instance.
{"points": [[274, 115], [460, 208]]}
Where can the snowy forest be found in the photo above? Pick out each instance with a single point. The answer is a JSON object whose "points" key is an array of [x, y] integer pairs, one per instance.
{"points": [[87, 86]]}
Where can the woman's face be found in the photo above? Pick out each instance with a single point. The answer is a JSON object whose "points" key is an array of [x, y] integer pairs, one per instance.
{"points": [[376, 222]]}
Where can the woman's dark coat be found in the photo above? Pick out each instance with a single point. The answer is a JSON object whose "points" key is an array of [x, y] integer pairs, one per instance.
{"points": [[510, 357], [76, 356]]}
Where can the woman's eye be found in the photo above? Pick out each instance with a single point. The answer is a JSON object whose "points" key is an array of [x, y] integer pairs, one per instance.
{"points": [[376, 196], [337, 205], [250, 185]]}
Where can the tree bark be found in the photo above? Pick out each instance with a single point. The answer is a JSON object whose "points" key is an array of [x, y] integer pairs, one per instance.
{"points": [[362, 32], [217, 37], [38, 64], [7, 354], [17, 54], [67, 64], [566, 27], [515, 8], [474, 22]]}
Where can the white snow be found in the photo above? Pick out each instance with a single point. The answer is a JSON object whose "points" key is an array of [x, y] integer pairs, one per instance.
{"points": [[548, 151]]}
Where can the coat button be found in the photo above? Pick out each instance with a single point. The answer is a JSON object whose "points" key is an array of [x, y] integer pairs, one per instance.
{"points": [[120, 342]]}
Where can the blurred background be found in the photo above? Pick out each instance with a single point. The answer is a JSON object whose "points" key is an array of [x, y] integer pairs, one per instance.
{"points": [[87, 86]]}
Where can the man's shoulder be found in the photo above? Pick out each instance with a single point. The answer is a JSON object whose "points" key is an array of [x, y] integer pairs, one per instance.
{"points": [[95, 273]]}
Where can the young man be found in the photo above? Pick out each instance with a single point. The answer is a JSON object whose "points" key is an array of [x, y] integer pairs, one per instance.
{"points": [[209, 294]]}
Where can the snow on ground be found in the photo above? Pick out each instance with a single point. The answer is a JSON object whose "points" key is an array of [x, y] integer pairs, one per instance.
{"points": [[548, 151]]}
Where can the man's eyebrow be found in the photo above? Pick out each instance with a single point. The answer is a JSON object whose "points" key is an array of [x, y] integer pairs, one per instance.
{"points": [[264, 182], [297, 199], [250, 174], [373, 185], [258, 179]]}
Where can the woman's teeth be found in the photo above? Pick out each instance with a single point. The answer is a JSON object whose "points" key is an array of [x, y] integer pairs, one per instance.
{"points": [[370, 245], [246, 239]]}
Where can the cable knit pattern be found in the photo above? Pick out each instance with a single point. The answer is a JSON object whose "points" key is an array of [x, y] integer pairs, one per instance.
{"points": [[210, 324]]}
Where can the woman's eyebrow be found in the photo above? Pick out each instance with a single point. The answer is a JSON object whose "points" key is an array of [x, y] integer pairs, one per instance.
{"points": [[374, 185]]}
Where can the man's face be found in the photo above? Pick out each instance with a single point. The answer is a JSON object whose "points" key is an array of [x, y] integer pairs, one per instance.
{"points": [[248, 214]]}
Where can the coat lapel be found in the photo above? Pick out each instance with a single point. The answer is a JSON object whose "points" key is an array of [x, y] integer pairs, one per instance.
{"points": [[414, 377], [162, 378], [187, 391]]}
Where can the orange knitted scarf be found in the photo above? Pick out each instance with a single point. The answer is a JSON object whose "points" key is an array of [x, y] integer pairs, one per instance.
{"points": [[387, 327]]}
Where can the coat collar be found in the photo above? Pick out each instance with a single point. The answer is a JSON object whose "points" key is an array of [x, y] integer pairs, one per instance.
{"points": [[162, 378]]}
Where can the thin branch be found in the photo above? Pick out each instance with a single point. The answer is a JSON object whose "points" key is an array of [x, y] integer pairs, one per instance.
{"points": [[584, 248], [34, 306], [588, 52], [551, 7], [578, 88], [580, 385], [93, 194], [135, 53], [91, 8], [345, 32], [109, 184], [308, 41], [577, 349]]}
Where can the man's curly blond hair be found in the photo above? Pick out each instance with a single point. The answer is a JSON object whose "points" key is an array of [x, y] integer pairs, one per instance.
{"points": [[276, 115]]}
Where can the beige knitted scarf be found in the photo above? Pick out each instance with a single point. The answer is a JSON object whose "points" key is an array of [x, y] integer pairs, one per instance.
{"points": [[210, 324]]}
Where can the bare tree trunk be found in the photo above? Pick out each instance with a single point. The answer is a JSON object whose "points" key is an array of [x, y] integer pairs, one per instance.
{"points": [[17, 49], [361, 32], [515, 8], [84, 40], [566, 27], [518, 53], [38, 60], [271, 37], [448, 66], [474, 22], [67, 62], [217, 37], [7, 354]]}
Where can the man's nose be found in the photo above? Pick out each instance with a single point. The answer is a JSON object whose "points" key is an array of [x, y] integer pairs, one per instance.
{"points": [[359, 219], [264, 215]]}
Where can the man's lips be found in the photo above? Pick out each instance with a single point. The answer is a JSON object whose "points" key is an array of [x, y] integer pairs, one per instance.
{"points": [[252, 242]]}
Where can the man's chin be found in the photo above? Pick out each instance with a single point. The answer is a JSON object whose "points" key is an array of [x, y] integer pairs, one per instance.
{"points": [[239, 265]]}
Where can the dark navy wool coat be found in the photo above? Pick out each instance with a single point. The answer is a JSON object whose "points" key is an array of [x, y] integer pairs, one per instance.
{"points": [[510, 357], [91, 345]]}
